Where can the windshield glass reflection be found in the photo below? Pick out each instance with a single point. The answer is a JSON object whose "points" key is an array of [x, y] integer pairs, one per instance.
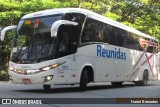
{"points": [[33, 41]]}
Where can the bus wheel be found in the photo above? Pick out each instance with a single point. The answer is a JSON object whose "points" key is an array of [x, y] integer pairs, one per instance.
{"points": [[84, 80], [47, 87], [144, 81], [118, 84]]}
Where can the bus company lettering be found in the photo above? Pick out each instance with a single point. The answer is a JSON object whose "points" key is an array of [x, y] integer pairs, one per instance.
{"points": [[117, 54]]}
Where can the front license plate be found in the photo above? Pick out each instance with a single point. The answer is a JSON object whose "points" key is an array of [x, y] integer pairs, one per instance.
{"points": [[26, 81]]}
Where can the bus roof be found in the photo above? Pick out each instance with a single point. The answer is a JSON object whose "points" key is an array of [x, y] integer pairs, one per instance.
{"points": [[89, 14]]}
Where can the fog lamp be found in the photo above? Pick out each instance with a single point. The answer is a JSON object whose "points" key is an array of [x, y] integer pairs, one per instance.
{"points": [[10, 78], [48, 78]]}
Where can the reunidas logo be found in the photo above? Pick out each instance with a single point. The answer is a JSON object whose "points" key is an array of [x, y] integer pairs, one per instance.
{"points": [[116, 53]]}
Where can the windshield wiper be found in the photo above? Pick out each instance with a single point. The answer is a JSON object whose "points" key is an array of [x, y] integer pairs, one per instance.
{"points": [[53, 43], [36, 57], [17, 57]]}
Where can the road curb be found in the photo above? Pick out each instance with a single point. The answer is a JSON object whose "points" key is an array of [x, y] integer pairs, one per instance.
{"points": [[4, 81]]}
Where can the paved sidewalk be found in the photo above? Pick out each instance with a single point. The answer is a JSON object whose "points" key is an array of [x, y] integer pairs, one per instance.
{"points": [[4, 82]]}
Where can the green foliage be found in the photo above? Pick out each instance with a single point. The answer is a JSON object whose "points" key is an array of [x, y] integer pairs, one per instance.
{"points": [[9, 12], [5, 49], [4, 75], [112, 16]]}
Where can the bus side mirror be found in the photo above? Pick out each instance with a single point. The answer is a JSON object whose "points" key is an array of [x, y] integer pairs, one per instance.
{"points": [[3, 32], [55, 26]]}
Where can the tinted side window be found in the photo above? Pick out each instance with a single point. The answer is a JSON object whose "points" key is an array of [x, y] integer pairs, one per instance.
{"points": [[120, 37], [135, 44], [106, 33], [75, 17], [64, 40], [132, 41], [113, 36], [79, 18], [92, 31], [96, 31]]}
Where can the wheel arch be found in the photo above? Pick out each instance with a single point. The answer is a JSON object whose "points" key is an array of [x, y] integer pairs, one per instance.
{"points": [[90, 72], [146, 70], [141, 73]]}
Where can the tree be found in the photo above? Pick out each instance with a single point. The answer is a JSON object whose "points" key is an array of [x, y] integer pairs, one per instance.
{"points": [[143, 15]]}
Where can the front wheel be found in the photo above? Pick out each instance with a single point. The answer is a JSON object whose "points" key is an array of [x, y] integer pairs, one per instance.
{"points": [[47, 87], [84, 80]]}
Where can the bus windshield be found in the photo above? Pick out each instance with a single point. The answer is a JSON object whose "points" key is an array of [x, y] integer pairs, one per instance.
{"points": [[33, 42]]}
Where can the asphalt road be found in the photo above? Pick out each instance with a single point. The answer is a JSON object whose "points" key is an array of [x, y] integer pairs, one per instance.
{"points": [[98, 90]]}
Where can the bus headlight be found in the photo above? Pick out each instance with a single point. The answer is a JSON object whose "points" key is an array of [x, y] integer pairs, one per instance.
{"points": [[11, 68], [33, 71], [49, 67], [46, 68], [54, 66]]}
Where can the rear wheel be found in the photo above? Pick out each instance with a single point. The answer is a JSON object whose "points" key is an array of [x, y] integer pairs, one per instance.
{"points": [[144, 81], [47, 87], [84, 80], [118, 84]]}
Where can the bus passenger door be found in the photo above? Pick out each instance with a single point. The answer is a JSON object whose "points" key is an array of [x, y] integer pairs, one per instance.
{"points": [[67, 58]]}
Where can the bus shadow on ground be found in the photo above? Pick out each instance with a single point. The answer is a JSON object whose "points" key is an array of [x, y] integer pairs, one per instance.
{"points": [[77, 89]]}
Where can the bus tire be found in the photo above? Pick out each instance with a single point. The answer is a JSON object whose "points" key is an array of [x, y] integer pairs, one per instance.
{"points": [[144, 81], [117, 84], [84, 80], [47, 87]]}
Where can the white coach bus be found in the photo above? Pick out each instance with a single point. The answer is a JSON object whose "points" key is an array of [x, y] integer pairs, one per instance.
{"points": [[77, 46]]}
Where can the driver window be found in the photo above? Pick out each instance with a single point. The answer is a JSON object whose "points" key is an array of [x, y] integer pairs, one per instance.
{"points": [[65, 36], [75, 17], [64, 42]]}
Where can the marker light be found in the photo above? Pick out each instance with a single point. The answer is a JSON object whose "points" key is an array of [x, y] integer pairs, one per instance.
{"points": [[27, 22], [46, 68], [11, 68], [54, 65], [49, 67]]}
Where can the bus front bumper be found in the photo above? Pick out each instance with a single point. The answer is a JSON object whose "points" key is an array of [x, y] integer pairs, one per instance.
{"points": [[46, 78]]}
